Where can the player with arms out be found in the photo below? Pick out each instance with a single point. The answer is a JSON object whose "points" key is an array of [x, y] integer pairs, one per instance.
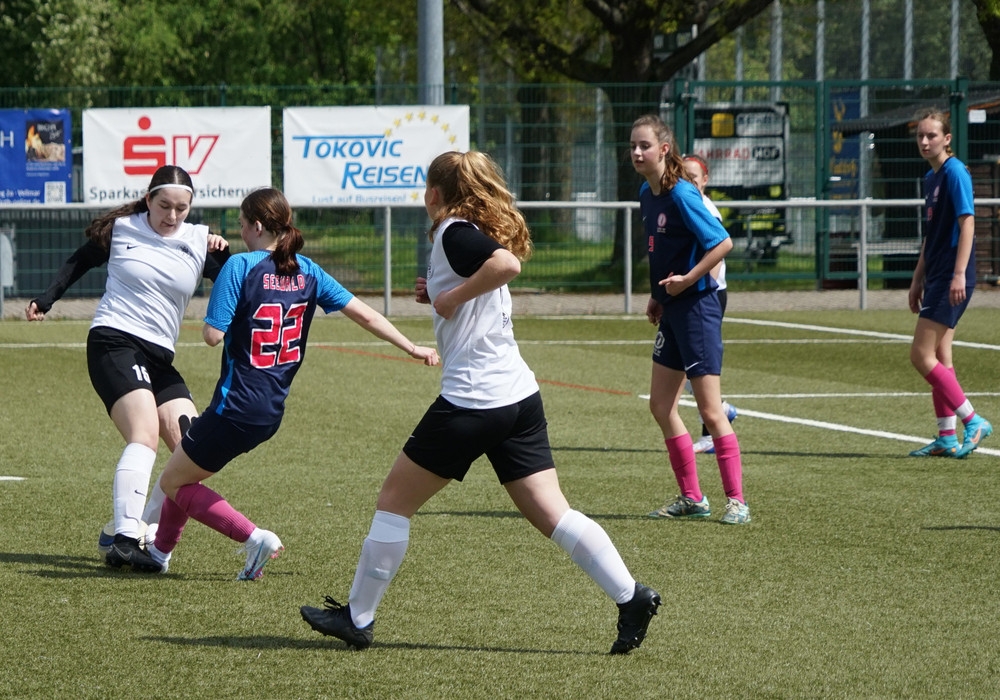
{"points": [[261, 308], [685, 243], [156, 260], [943, 282], [489, 405]]}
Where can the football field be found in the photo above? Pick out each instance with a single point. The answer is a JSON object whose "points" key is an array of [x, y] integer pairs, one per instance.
{"points": [[865, 572]]}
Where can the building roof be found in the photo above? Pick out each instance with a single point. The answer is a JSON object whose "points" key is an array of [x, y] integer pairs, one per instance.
{"points": [[984, 100]]}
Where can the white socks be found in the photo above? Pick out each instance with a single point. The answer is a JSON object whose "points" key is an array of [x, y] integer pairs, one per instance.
{"points": [[154, 505], [590, 548], [381, 555], [129, 487]]}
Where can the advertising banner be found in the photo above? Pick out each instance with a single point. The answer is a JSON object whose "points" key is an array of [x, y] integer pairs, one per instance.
{"points": [[225, 150], [367, 156], [36, 156]]}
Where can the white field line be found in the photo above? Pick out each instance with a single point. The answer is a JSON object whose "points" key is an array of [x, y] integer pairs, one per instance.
{"points": [[826, 425]]}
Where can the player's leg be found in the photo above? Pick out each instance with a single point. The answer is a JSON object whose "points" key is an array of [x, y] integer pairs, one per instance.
{"points": [[175, 417]]}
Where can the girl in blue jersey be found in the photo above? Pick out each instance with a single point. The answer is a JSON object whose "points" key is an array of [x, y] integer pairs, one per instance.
{"points": [[685, 242], [261, 308], [489, 405], [942, 285]]}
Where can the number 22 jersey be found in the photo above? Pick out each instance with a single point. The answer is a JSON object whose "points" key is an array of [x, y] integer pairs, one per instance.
{"points": [[265, 316]]}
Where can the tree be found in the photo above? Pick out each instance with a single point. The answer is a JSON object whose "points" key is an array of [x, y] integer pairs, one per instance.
{"points": [[608, 44], [50, 43], [988, 14]]}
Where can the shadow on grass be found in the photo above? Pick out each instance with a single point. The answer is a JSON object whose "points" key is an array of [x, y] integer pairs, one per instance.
{"points": [[273, 642], [516, 514], [64, 566], [944, 528], [607, 449]]}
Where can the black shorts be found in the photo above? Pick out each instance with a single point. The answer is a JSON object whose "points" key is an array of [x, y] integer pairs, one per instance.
{"points": [[514, 438], [214, 441], [120, 363]]}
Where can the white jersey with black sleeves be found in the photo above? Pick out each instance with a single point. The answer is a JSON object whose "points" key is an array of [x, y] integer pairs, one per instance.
{"points": [[151, 279], [481, 364]]}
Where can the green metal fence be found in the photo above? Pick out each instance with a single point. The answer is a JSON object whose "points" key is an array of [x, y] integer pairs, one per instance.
{"points": [[564, 143]]}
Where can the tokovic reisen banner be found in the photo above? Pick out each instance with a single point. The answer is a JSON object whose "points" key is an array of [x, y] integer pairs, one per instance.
{"points": [[367, 156]]}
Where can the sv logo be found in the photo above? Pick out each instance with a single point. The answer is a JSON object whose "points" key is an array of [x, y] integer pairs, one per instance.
{"points": [[142, 155]]}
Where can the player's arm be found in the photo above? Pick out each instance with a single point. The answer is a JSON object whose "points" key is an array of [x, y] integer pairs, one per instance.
{"points": [[379, 326], [499, 269], [85, 258], [218, 254], [212, 335]]}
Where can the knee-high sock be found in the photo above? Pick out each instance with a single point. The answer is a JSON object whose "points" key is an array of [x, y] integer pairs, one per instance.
{"points": [[945, 382], [727, 454], [154, 504], [209, 508], [942, 412], [381, 555], [680, 449], [130, 485], [171, 525], [590, 548]]}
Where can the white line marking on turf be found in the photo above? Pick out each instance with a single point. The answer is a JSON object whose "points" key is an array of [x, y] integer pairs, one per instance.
{"points": [[11, 478], [826, 425], [849, 331]]}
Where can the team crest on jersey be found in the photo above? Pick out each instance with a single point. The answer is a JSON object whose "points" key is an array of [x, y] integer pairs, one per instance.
{"points": [[661, 221], [187, 251]]}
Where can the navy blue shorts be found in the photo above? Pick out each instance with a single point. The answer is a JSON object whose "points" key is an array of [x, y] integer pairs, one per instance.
{"points": [[213, 441], [120, 363], [935, 305], [689, 339], [515, 439]]}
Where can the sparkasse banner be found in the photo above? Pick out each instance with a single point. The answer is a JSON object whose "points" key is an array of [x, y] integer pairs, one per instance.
{"points": [[225, 150], [367, 156]]}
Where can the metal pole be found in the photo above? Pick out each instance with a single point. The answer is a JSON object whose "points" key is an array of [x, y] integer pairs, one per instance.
{"points": [[387, 264], [820, 39], [863, 260], [628, 260], [954, 39]]}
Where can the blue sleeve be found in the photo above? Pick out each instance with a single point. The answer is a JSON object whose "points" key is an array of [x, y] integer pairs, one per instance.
{"points": [[699, 221], [960, 189], [226, 292], [330, 294]]}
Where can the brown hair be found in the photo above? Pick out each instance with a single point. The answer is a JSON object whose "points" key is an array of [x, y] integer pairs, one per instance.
{"points": [[673, 168], [938, 115], [473, 188], [99, 229], [695, 158], [269, 206]]}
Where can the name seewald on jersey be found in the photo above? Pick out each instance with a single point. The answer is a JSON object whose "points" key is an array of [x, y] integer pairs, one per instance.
{"points": [[283, 283]]}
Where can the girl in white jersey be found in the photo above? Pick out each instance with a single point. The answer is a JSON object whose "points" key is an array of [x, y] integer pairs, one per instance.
{"points": [[155, 262], [489, 404]]}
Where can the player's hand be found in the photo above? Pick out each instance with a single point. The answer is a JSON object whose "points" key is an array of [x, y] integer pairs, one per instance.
{"points": [[915, 297], [956, 293], [421, 291], [216, 243], [428, 356], [675, 284], [654, 310], [32, 313], [445, 305]]}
